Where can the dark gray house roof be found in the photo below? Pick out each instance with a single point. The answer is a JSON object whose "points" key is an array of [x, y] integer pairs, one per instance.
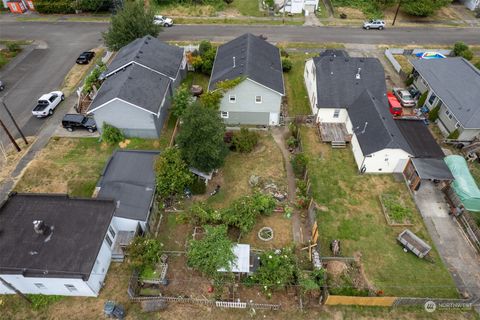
{"points": [[136, 85], [129, 178], [80, 226], [152, 53], [419, 138], [337, 86], [456, 82], [251, 57], [374, 126]]}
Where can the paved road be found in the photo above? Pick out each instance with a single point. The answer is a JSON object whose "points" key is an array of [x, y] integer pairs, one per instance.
{"points": [[44, 67]]}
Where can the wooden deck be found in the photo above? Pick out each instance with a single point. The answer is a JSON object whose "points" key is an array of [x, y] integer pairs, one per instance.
{"points": [[334, 132]]}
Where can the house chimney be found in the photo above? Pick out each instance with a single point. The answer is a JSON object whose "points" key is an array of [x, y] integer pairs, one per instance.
{"points": [[234, 61], [357, 76], [40, 227]]}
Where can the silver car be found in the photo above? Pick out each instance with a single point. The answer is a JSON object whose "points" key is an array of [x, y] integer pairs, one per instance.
{"points": [[374, 24], [405, 97]]}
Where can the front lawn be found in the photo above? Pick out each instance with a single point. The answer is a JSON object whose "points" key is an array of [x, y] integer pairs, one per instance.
{"points": [[351, 212], [247, 7]]}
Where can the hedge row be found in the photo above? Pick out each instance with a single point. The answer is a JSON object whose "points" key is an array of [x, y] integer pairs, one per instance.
{"points": [[59, 6]]}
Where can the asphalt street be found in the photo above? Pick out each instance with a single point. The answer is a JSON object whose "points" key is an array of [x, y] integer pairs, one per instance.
{"points": [[45, 67]]}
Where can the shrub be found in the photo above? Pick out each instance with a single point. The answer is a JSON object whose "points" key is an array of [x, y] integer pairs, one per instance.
{"points": [[228, 1], [284, 53], [92, 78], [292, 142], [54, 6], [245, 140], [269, 3], [433, 114], [422, 99], [13, 46], [454, 135], [144, 252], [299, 164], [409, 81], [211, 253], [467, 54], [172, 173], [204, 46], [343, 15], [277, 269], [286, 65], [477, 65], [459, 47], [112, 135], [198, 186], [41, 301]]}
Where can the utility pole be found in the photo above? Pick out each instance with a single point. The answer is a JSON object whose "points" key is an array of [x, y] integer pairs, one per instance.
{"points": [[396, 12], [15, 123], [11, 287], [10, 136]]}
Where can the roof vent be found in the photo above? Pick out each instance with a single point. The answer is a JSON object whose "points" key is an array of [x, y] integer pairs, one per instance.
{"points": [[331, 58], [357, 76], [234, 61], [346, 59], [140, 51], [149, 38], [138, 57], [41, 228], [361, 59]]}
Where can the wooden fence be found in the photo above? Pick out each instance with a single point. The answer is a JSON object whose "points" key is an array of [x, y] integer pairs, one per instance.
{"points": [[360, 301]]}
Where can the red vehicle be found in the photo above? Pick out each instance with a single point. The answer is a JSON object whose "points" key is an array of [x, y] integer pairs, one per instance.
{"points": [[394, 104]]}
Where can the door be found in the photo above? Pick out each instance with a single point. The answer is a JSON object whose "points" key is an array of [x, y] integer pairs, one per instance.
{"points": [[273, 119]]}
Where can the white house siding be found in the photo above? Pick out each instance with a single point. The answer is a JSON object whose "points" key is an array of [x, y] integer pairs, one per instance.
{"points": [[245, 110], [53, 286], [327, 115], [421, 84], [102, 263], [124, 224], [133, 121], [447, 120], [311, 84], [471, 4], [385, 161]]}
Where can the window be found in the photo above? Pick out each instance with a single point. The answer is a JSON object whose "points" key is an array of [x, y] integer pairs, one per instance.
{"points": [[109, 241], [232, 98], [457, 125], [224, 114], [71, 288], [432, 98], [112, 232], [53, 97], [336, 113], [40, 286], [447, 112], [450, 116], [258, 99]]}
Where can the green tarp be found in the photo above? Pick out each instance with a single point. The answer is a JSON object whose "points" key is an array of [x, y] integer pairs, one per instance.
{"points": [[464, 185]]}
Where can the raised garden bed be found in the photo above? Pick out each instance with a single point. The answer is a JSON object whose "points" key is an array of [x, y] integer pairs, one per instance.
{"points": [[397, 212]]}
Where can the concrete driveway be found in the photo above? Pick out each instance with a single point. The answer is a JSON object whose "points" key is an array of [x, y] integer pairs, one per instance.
{"points": [[458, 254]]}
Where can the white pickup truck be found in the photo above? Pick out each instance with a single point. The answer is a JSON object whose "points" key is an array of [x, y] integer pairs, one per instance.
{"points": [[47, 104]]}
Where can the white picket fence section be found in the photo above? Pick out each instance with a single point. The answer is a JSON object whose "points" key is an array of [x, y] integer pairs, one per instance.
{"points": [[228, 304]]}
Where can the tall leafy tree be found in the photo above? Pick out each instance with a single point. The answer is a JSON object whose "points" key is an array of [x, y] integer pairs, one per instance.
{"points": [[181, 100], [201, 138], [211, 253], [131, 22], [423, 8], [172, 173]]}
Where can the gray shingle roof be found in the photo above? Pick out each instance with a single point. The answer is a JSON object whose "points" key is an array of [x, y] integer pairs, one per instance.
{"points": [[374, 126], [137, 85], [337, 86], [255, 59], [129, 178], [79, 225], [152, 53], [457, 83], [419, 138]]}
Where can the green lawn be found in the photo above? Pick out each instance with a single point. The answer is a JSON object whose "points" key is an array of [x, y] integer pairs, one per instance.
{"points": [[198, 79], [297, 96], [247, 7], [239, 21], [353, 215]]}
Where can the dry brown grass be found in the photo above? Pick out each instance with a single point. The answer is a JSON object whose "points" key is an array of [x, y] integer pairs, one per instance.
{"points": [[189, 11], [282, 232], [265, 161], [78, 72], [351, 13], [404, 63], [8, 165]]}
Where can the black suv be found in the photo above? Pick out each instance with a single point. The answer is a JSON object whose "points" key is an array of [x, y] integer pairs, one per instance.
{"points": [[74, 121], [85, 57]]}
